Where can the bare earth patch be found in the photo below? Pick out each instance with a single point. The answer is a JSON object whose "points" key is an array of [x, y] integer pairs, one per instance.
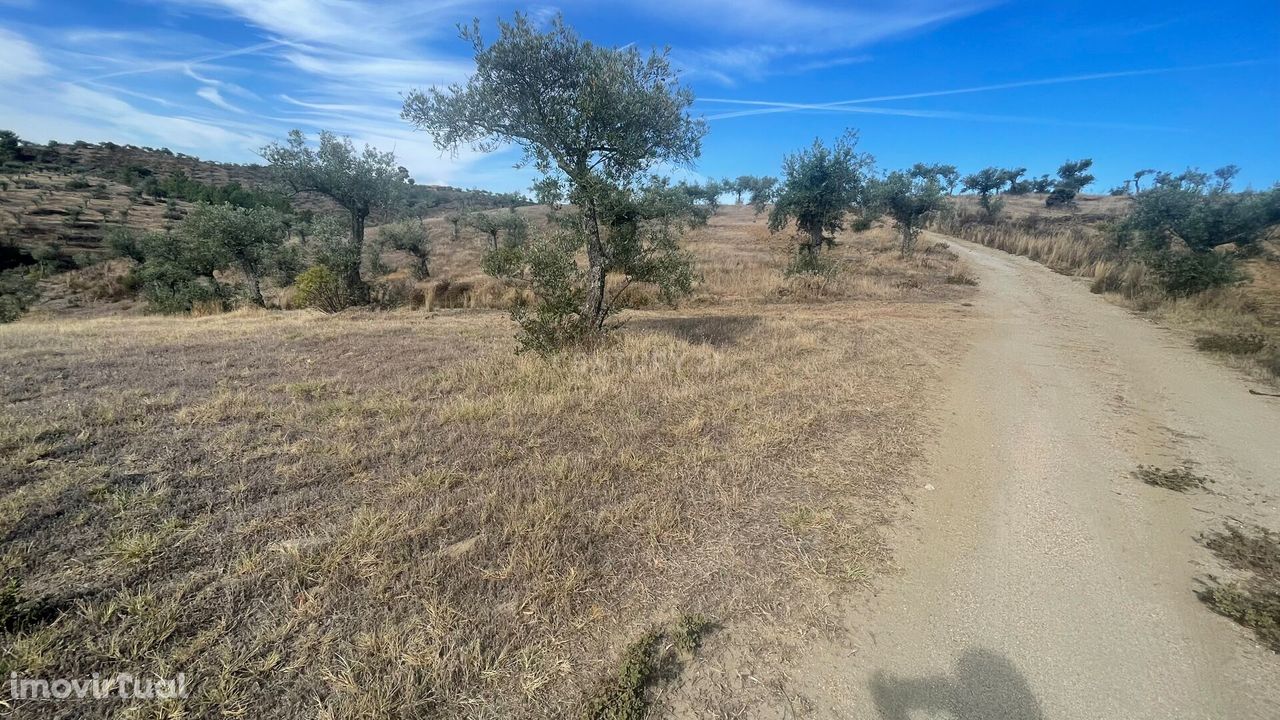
{"points": [[392, 515]]}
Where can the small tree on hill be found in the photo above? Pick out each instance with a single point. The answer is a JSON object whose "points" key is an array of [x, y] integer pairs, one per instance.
{"points": [[1042, 184], [361, 182], [986, 183], [1073, 177], [763, 191], [1137, 179], [10, 146], [820, 186], [487, 224], [1013, 177], [948, 176], [593, 118], [412, 237], [910, 197], [1225, 176]]}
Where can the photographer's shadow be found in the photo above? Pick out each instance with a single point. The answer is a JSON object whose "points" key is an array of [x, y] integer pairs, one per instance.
{"points": [[985, 686]]}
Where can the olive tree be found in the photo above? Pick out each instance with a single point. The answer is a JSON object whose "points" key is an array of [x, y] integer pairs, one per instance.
{"points": [[986, 182], [948, 176], [820, 186], [248, 239], [592, 119], [763, 190], [412, 237], [910, 197], [487, 224], [1073, 176], [359, 181]]}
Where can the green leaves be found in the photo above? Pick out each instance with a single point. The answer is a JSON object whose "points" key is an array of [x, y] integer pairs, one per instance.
{"points": [[910, 197], [592, 119], [572, 106], [820, 185]]}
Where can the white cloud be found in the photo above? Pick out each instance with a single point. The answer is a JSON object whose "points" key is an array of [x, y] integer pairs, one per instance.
{"points": [[385, 76], [747, 31], [345, 23], [212, 95], [19, 59]]}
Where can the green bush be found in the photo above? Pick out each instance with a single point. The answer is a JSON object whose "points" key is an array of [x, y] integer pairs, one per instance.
{"points": [[17, 292], [320, 288], [1184, 275], [170, 288]]}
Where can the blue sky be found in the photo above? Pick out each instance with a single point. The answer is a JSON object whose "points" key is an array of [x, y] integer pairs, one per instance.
{"points": [[1137, 84]]}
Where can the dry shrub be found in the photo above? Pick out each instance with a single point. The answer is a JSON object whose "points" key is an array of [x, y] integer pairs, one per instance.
{"points": [[205, 308], [1232, 344], [104, 281], [473, 292]]}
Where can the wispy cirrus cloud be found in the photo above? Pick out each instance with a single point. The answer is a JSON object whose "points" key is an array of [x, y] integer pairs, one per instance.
{"points": [[766, 107], [746, 33], [19, 59], [212, 95]]}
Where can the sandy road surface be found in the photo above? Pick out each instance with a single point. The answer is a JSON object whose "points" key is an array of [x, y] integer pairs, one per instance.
{"points": [[1039, 580]]}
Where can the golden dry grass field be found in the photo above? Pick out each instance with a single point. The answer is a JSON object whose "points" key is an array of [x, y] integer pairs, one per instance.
{"points": [[392, 514]]}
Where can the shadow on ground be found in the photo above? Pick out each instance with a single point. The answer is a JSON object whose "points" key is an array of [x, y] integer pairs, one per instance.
{"points": [[985, 686], [714, 330]]}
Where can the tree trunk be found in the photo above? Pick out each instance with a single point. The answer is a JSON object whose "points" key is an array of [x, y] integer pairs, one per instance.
{"points": [[907, 240], [593, 308], [357, 290], [815, 240], [255, 290]]}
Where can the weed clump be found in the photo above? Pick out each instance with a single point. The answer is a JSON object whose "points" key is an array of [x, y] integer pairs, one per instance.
{"points": [[961, 278], [1176, 479], [17, 611], [656, 657], [1255, 603]]}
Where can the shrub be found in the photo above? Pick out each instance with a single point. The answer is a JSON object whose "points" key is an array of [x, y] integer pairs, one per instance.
{"points": [[17, 292], [1184, 275], [1073, 177], [320, 288], [805, 264], [1237, 344], [390, 293], [169, 288], [961, 278]]}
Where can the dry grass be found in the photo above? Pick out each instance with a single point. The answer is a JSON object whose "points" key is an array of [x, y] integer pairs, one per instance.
{"points": [[392, 515]]}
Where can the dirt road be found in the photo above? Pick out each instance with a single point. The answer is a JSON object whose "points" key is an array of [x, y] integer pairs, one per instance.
{"points": [[1040, 580]]}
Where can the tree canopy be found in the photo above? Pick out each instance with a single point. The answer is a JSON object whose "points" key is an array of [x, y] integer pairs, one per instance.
{"points": [[360, 181], [910, 197], [820, 186], [594, 120]]}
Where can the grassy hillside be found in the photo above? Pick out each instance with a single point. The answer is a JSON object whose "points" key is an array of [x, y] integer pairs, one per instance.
{"points": [[70, 195]]}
